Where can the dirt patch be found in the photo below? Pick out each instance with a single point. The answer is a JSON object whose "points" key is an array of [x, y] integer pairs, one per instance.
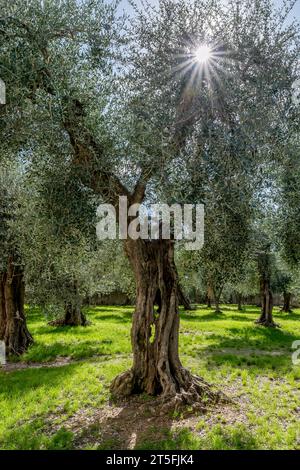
{"points": [[59, 362], [13, 366], [128, 425], [248, 352]]}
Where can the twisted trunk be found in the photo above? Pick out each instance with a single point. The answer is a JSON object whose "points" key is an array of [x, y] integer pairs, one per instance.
{"points": [[156, 368], [13, 328], [286, 302]]}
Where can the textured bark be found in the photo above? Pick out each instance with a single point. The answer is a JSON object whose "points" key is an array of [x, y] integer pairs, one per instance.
{"points": [[73, 314], [73, 317], [266, 316], [13, 328], [286, 308], [157, 369]]}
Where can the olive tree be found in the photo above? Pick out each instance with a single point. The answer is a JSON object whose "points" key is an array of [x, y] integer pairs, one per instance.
{"points": [[122, 134]]}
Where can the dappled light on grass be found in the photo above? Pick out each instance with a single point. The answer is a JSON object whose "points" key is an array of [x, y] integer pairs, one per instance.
{"points": [[68, 406]]}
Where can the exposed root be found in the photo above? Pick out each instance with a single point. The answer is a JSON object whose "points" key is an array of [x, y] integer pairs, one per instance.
{"points": [[193, 393], [267, 323]]}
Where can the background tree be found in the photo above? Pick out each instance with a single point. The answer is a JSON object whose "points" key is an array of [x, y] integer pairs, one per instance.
{"points": [[13, 328]]}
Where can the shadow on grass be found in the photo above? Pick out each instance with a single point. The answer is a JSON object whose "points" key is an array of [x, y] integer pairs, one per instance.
{"points": [[27, 434], [63, 330], [40, 352], [262, 348], [133, 425], [122, 317], [213, 316], [135, 428], [20, 382], [287, 316]]}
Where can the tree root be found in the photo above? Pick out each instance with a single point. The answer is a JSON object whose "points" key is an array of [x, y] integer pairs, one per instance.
{"points": [[267, 323], [194, 393]]}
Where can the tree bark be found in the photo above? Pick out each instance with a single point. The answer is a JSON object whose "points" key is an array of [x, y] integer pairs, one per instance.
{"points": [[13, 328], [73, 317], [209, 296], [217, 296], [239, 301], [73, 314], [157, 369], [266, 316], [183, 299], [286, 302]]}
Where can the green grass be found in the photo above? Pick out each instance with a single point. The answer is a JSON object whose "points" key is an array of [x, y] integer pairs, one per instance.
{"points": [[60, 407]]}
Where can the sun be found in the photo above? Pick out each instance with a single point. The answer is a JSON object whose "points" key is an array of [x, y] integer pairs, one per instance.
{"points": [[203, 53]]}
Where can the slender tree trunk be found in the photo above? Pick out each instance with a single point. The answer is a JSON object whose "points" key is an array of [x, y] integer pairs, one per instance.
{"points": [[217, 295], [266, 316], [183, 299], [157, 369], [239, 301], [13, 328], [209, 296], [286, 302]]}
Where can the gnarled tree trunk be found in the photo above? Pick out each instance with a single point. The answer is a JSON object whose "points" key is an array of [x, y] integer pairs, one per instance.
{"points": [[286, 302], [13, 328], [73, 315], [157, 369]]}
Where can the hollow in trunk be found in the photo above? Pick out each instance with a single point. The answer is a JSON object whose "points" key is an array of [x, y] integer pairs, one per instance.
{"points": [[156, 368]]}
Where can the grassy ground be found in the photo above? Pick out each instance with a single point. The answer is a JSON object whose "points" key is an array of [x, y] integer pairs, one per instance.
{"points": [[57, 396]]}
